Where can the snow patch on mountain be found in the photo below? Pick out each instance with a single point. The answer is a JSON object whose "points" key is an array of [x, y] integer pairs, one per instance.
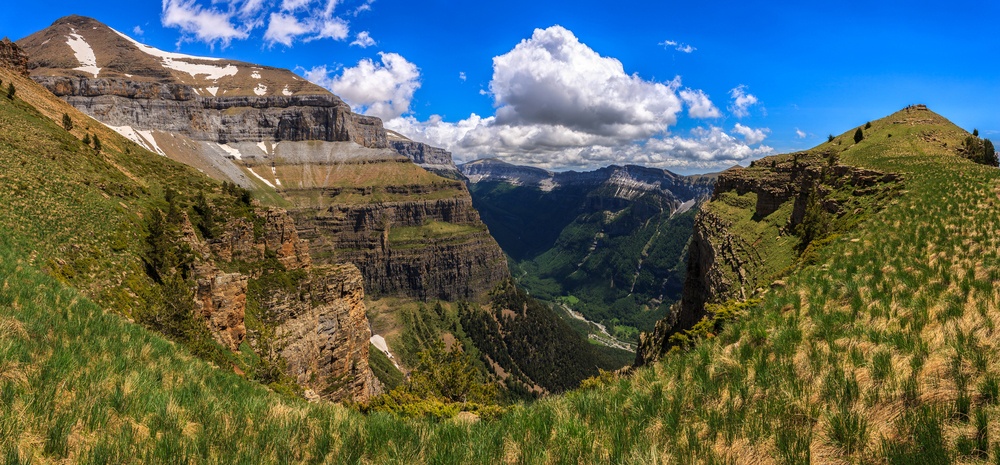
{"points": [[235, 153], [150, 141], [181, 62], [129, 133], [261, 89], [265, 181], [84, 53]]}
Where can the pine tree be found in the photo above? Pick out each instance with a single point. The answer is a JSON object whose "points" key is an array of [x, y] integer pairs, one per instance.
{"points": [[86, 139], [975, 133], [67, 122], [868, 125], [858, 136], [97, 144], [990, 154], [829, 138], [10, 91]]}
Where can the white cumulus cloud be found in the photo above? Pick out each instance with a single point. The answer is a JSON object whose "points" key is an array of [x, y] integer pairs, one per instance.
{"points": [[363, 39], [800, 133], [284, 28], [554, 79], [286, 21], [699, 105], [209, 25], [379, 89], [752, 136], [742, 101], [561, 105]]}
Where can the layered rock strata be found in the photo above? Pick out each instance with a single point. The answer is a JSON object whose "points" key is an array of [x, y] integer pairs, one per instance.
{"points": [[320, 327], [179, 109], [386, 240]]}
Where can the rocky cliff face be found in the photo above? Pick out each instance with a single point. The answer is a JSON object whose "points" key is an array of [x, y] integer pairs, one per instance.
{"points": [[320, 327], [397, 256], [327, 334], [725, 262], [13, 57], [433, 159], [177, 108]]}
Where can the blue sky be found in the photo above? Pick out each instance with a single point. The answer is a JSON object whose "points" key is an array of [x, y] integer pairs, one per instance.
{"points": [[687, 86]]}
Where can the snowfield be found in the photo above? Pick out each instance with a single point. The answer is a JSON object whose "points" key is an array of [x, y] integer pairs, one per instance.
{"points": [[181, 62], [84, 53]]}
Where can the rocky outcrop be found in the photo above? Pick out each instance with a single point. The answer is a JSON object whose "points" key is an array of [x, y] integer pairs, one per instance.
{"points": [[724, 265], [422, 154], [222, 301], [328, 335], [12, 57], [178, 108], [396, 257], [433, 159], [319, 325]]}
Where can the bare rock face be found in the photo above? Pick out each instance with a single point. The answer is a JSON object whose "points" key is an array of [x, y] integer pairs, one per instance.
{"points": [[180, 109], [328, 334], [321, 325], [222, 300], [433, 159], [463, 264], [13, 57]]}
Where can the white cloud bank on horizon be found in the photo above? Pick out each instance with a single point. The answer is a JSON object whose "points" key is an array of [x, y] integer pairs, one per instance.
{"points": [[561, 105], [222, 21]]}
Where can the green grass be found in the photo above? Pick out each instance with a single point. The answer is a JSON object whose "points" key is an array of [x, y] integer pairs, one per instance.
{"points": [[417, 236]]}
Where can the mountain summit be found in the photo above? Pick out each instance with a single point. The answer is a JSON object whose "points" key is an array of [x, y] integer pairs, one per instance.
{"points": [[77, 46]]}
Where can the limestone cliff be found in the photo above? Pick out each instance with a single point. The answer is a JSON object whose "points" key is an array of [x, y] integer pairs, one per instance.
{"points": [[319, 325], [179, 109], [433, 159], [397, 257], [748, 234]]}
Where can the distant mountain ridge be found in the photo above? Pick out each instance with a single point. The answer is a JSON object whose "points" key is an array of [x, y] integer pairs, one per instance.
{"points": [[608, 243], [639, 177]]}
